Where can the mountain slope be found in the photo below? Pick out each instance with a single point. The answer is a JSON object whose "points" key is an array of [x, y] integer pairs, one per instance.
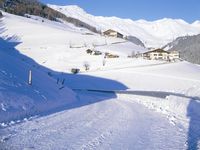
{"points": [[188, 46], [34, 7], [152, 34]]}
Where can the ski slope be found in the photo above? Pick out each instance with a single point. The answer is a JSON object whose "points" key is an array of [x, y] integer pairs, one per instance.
{"points": [[154, 34]]}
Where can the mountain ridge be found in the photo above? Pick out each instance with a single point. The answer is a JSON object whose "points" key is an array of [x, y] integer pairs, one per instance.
{"points": [[35, 7], [152, 33]]}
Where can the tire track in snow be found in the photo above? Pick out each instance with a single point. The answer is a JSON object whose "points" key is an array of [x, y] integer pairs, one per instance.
{"points": [[110, 124]]}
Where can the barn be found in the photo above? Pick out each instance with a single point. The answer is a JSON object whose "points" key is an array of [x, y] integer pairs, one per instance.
{"points": [[113, 33]]}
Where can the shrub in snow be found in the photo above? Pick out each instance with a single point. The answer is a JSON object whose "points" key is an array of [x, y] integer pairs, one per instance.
{"points": [[75, 70], [1, 15], [50, 74]]}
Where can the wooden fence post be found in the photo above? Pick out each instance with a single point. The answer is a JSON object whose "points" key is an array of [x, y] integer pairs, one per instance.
{"points": [[30, 78]]}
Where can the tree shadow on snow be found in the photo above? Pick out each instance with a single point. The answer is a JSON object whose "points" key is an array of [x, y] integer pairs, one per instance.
{"points": [[7, 47]]}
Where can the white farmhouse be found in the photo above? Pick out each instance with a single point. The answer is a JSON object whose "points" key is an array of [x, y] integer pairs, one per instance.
{"points": [[158, 54]]}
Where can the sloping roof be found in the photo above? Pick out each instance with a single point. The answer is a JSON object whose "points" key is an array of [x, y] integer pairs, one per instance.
{"points": [[111, 30], [157, 50]]}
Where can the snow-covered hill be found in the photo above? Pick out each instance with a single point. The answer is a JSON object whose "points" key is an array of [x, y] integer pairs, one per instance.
{"points": [[153, 34], [18, 99], [31, 43]]}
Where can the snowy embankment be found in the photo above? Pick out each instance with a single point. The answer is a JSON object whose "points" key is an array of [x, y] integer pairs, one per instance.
{"points": [[19, 100]]}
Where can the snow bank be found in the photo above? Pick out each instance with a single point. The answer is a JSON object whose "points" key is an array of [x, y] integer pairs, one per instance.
{"points": [[179, 109]]}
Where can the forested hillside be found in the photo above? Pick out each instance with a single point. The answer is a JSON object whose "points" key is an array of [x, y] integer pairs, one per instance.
{"points": [[34, 7], [189, 48]]}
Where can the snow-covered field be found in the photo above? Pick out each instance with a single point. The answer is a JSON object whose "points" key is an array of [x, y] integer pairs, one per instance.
{"points": [[49, 43], [138, 104]]}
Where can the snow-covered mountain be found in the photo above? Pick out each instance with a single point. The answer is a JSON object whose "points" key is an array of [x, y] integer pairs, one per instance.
{"points": [[152, 34], [196, 23]]}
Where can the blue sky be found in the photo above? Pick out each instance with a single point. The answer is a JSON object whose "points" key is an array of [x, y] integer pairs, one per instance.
{"points": [[188, 10]]}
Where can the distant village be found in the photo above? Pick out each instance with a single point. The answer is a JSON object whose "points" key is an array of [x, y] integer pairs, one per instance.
{"points": [[156, 54]]}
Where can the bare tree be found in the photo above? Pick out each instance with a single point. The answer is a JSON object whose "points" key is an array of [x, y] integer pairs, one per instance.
{"points": [[86, 65]]}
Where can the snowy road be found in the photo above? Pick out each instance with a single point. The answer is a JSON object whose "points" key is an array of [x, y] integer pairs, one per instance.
{"points": [[106, 124]]}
